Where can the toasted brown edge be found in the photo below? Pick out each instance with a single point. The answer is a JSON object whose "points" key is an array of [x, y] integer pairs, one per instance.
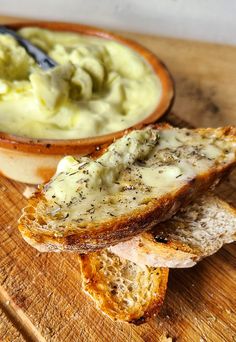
{"points": [[91, 279]]}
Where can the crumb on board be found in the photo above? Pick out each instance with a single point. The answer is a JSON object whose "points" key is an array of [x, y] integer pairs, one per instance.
{"points": [[2, 188], [229, 311], [166, 338], [29, 191]]}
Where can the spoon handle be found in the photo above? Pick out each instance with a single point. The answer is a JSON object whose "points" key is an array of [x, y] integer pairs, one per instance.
{"points": [[44, 61]]}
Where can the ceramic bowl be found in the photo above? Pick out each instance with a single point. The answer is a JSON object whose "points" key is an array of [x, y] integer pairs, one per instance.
{"points": [[34, 161]]}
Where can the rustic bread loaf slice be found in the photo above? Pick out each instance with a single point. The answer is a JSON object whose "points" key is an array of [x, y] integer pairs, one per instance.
{"points": [[121, 289], [195, 232], [141, 180]]}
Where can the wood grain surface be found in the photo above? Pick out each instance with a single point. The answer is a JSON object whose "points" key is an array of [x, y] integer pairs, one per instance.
{"points": [[40, 294]]}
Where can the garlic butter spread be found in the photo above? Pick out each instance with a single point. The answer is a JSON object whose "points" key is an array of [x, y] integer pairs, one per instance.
{"points": [[142, 165], [94, 175], [98, 87]]}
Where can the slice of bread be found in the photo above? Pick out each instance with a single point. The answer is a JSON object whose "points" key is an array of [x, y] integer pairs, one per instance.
{"points": [[142, 179], [121, 289], [125, 288], [195, 232]]}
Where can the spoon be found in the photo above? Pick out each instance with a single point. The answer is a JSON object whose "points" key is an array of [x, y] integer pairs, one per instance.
{"points": [[44, 61]]}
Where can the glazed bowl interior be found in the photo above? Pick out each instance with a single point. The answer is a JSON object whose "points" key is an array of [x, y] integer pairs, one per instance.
{"points": [[87, 145]]}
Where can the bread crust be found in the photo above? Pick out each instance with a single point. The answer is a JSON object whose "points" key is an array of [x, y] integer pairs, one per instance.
{"points": [[127, 226]]}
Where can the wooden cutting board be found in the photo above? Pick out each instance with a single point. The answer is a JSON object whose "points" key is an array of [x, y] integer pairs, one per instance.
{"points": [[40, 294]]}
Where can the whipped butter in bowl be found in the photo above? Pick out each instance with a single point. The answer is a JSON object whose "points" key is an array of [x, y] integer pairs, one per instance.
{"points": [[102, 84]]}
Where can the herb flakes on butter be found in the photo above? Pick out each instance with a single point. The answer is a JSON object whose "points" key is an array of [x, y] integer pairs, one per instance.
{"points": [[137, 168], [99, 86], [77, 179]]}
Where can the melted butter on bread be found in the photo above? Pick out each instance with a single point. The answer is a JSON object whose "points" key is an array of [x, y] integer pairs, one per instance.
{"points": [[141, 166], [86, 175]]}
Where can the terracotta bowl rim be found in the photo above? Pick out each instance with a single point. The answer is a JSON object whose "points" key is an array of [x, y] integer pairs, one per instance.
{"points": [[70, 146]]}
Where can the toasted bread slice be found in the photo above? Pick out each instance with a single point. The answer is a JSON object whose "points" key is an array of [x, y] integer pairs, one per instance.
{"points": [[121, 289], [141, 180], [195, 232]]}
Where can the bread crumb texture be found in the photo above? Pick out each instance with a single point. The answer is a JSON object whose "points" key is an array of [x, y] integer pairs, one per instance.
{"points": [[122, 289]]}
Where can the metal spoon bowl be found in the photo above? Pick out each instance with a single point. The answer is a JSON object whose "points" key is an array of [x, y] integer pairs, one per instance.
{"points": [[44, 61]]}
